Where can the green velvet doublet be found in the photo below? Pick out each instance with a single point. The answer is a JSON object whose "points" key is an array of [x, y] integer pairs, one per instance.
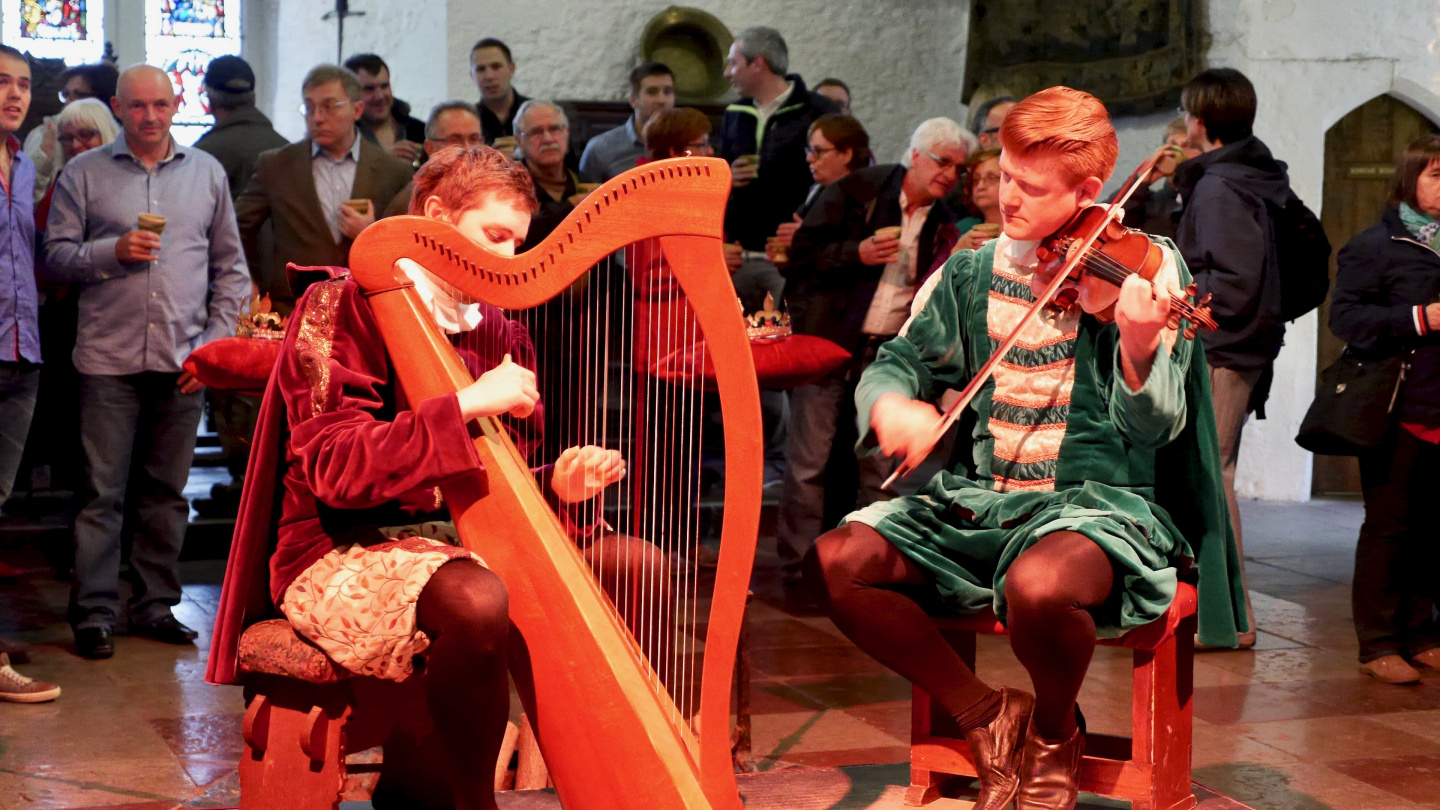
{"points": [[1137, 472]]}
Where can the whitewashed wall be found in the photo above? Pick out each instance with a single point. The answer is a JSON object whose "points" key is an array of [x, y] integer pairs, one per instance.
{"points": [[903, 64], [410, 36]]}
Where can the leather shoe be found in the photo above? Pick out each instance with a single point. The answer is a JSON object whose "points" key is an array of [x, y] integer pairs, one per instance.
{"points": [[1391, 669], [94, 642], [998, 748], [167, 629], [1050, 778], [1430, 658]]}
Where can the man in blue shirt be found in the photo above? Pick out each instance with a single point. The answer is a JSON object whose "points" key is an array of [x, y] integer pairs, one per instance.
{"points": [[652, 90], [146, 301], [19, 326]]}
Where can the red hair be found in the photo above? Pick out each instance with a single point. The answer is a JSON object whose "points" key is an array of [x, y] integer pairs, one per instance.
{"points": [[462, 177], [1071, 125]]}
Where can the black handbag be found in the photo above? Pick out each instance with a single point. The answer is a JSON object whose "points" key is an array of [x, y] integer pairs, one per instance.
{"points": [[1353, 404]]}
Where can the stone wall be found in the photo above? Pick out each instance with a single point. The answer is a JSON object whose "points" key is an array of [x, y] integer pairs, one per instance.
{"points": [[903, 65]]}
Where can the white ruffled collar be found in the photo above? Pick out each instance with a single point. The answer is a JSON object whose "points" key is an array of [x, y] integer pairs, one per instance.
{"points": [[454, 312]]}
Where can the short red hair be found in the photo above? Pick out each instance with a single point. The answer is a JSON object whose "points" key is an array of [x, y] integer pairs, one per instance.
{"points": [[462, 177], [1070, 124]]}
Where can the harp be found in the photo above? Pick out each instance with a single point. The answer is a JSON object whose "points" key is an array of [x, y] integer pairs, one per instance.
{"points": [[613, 724]]}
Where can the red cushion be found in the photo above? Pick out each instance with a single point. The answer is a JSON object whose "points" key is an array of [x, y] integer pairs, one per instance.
{"points": [[779, 363], [272, 648], [234, 363]]}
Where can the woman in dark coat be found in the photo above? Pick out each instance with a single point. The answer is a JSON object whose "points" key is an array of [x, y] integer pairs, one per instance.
{"points": [[1385, 303]]}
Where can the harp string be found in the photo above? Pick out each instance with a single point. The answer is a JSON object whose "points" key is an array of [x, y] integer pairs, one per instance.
{"points": [[596, 347]]}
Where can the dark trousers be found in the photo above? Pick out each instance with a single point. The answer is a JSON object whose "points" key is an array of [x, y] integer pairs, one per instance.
{"points": [[19, 383], [138, 435], [1397, 559], [816, 413]]}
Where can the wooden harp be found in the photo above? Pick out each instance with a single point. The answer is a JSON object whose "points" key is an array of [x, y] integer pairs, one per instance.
{"points": [[616, 729]]}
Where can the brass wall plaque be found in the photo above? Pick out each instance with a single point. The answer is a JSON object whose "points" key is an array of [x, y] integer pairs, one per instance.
{"points": [[1374, 171]]}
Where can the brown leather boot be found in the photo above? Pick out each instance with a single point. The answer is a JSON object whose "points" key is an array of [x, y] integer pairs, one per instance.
{"points": [[998, 749], [1050, 778]]}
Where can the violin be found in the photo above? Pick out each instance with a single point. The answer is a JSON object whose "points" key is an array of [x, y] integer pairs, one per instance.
{"points": [[1096, 253], [1114, 253]]}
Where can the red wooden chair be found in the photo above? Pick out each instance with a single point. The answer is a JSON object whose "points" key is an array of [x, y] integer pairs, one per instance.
{"points": [[1151, 768]]}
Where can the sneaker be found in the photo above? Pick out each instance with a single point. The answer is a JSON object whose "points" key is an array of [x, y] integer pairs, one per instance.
{"points": [[17, 688]]}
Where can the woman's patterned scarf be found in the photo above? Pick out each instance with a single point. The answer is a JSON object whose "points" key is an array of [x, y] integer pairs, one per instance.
{"points": [[1425, 228]]}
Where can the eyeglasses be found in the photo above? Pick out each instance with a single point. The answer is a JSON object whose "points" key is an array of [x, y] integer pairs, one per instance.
{"points": [[66, 96], [81, 136], [944, 164], [330, 107], [552, 129], [988, 179], [819, 151], [700, 147]]}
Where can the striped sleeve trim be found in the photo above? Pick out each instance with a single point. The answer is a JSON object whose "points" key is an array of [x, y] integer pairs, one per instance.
{"points": [[1422, 325]]}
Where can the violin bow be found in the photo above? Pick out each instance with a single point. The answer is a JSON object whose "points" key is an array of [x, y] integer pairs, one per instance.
{"points": [[983, 375]]}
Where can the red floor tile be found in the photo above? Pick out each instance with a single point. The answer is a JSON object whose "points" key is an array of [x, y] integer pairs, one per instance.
{"points": [[852, 756], [792, 662], [1256, 703], [1416, 778]]}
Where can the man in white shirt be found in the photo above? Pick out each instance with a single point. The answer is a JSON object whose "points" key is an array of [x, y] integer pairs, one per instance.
{"points": [[851, 280]]}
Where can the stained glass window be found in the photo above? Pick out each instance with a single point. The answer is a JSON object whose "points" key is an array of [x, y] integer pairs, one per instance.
{"points": [[72, 30], [181, 37]]}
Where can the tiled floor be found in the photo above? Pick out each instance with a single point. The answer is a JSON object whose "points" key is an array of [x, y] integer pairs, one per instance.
{"points": [[1290, 725]]}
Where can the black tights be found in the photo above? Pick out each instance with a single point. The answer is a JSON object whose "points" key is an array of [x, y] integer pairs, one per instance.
{"points": [[871, 591], [465, 611]]}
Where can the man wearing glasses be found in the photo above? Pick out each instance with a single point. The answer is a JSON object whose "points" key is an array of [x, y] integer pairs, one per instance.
{"points": [[543, 133], [321, 192], [866, 245], [451, 123]]}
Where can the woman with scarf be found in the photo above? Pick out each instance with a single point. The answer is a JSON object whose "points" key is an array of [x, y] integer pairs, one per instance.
{"points": [[1385, 303]]}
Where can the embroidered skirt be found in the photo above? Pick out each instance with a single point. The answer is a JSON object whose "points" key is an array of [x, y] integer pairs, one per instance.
{"points": [[358, 602]]}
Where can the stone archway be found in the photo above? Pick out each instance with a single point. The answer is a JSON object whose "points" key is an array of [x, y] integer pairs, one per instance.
{"points": [[1360, 153]]}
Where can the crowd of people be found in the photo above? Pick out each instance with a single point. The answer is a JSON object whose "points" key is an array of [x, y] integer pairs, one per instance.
{"points": [[152, 248]]}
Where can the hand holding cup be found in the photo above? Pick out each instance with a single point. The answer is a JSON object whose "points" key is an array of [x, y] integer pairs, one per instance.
{"points": [[882, 247], [744, 169]]}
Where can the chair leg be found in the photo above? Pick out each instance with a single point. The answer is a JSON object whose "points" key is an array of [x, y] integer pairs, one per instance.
{"points": [[1163, 719], [284, 721]]}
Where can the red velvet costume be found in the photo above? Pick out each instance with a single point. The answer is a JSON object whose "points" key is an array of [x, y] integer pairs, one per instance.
{"points": [[353, 459]]}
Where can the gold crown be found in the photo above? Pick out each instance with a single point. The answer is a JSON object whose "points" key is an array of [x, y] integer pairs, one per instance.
{"points": [[260, 320], [769, 323]]}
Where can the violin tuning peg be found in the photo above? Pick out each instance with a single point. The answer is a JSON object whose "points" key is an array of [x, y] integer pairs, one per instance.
{"points": [[1191, 289], [1190, 332], [1173, 322], [1206, 299]]}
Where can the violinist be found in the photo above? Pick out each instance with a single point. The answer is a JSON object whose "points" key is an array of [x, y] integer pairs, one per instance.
{"points": [[1092, 435]]}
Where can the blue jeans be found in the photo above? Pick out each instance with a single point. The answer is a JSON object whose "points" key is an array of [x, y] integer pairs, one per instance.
{"points": [[138, 435], [18, 384]]}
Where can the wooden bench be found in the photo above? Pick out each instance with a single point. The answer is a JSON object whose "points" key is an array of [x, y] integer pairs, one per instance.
{"points": [[1150, 768]]}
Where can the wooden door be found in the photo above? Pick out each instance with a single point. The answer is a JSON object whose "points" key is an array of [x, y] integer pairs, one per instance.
{"points": [[1360, 155]]}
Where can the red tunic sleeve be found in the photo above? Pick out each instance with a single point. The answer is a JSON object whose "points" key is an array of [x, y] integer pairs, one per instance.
{"points": [[350, 445]]}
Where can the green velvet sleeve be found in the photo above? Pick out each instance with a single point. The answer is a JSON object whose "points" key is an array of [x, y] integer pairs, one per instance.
{"points": [[1156, 414], [928, 356], [1153, 416]]}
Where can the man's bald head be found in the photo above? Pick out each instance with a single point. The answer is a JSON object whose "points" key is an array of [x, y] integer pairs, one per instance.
{"points": [[144, 79], [145, 103]]}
